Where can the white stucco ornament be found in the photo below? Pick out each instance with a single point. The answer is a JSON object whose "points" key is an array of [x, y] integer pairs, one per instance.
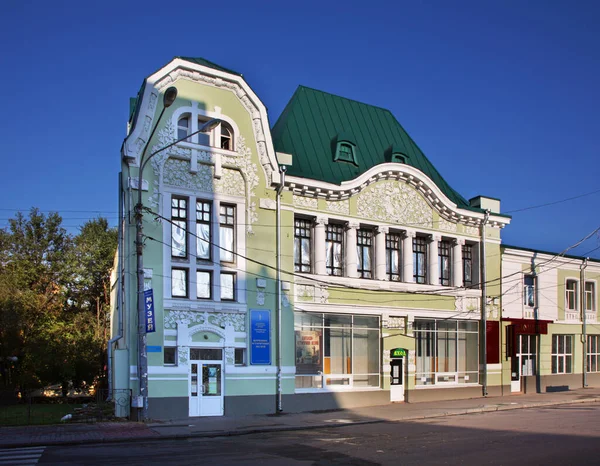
{"points": [[219, 319]]}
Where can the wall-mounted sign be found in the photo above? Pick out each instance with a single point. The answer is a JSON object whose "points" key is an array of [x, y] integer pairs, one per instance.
{"points": [[153, 349], [308, 347], [398, 353], [260, 337], [149, 311]]}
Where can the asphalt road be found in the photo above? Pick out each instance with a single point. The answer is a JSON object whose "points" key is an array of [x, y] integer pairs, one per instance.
{"points": [[558, 435]]}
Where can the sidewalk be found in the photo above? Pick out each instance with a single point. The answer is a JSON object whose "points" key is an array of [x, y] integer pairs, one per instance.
{"points": [[72, 434]]}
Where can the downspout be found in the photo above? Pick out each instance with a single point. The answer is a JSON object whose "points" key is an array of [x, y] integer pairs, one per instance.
{"points": [[483, 305], [119, 334], [584, 321], [282, 170]]}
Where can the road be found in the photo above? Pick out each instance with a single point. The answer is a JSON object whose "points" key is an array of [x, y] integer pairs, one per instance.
{"points": [[558, 435]]}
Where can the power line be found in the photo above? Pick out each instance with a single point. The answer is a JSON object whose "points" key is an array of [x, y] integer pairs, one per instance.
{"points": [[552, 203]]}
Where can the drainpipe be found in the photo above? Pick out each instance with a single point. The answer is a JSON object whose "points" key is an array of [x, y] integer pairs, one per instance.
{"points": [[282, 170], [483, 305], [584, 321], [119, 334]]}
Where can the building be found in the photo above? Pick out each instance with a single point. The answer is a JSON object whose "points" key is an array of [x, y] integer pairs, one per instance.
{"points": [[289, 266], [549, 321]]}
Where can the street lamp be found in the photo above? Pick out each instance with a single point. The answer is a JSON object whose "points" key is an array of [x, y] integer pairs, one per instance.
{"points": [[168, 98]]}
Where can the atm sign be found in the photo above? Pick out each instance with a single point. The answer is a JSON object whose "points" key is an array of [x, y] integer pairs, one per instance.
{"points": [[398, 353]]}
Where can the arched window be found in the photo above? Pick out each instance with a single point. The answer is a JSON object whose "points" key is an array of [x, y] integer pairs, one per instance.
{"points": [[183, 127], [226, 136]]}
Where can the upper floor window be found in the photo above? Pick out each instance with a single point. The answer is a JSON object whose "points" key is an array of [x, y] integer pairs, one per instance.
{"points": [[302, 253], [334, 241], [226, 136], [590, 296], [364, 252], [227, 232], [178, 227], [467, 259], [420, 259], [179, 283], [529, 290], [183, 127], [571, 295], [203, 229], [392, 252], [444, 248], [203, 138]]}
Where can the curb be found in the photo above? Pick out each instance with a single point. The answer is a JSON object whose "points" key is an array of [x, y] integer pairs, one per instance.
{"points": [[321, 425]]}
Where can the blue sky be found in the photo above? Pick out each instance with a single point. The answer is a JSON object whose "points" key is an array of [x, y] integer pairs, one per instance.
{"points": [[502, 96]]}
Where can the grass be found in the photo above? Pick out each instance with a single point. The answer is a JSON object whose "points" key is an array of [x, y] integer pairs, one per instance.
{"points": [[35, 414]]}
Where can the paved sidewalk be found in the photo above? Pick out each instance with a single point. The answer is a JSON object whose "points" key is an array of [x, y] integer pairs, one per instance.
{"points": [[65, 434]]}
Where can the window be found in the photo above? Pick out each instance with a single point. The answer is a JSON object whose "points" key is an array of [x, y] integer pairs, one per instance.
{"points": [[593, 353], [345, 153], [364, 252], [203, 229], [334, 240], [337, 350], [529, 290], [203, 138], [571, 295], [227, 286], [203, 284], [302, 254], [392, 252], [183, 127], [226, 136], [562, 354], [419, 259], [226, 232], [447, 352], [467, 260], [590, 296], [179, 280], [444, 248], [240, 357], [169, 357], [178, 227], [398, 157]]}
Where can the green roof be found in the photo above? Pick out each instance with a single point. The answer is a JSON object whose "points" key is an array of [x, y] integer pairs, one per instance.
{"points": [[209, 64], [313, 120]]}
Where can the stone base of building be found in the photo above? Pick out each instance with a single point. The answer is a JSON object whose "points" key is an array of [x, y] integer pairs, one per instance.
{"points": [[446, 393], [558, 382]]}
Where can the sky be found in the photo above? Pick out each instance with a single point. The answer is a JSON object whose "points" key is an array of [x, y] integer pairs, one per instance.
{"points": [[502, 96]]}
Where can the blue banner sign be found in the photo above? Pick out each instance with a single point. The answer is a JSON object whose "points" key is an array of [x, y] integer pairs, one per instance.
{"points": [[149, 311], [260, 337], [153, 349]]}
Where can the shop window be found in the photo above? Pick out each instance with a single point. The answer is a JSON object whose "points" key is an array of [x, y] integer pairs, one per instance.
{"points": [[170, 356], [593, 353]]}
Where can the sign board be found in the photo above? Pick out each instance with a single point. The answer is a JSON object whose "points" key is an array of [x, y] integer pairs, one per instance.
{"points": [[149, 311], [260, 337], [153, 349], [398, 353], [308, 345]]}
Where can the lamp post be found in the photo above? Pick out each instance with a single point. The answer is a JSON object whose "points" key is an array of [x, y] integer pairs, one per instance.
{"points": [[168, 98]]}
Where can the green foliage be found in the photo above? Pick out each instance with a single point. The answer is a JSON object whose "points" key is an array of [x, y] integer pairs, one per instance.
{"points": [[54, 294]]}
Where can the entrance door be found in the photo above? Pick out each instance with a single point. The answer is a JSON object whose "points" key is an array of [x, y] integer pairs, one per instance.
{"points": [[523, 364], [206, 388]]}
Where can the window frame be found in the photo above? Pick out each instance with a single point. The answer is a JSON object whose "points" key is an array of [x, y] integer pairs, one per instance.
{"points": [[573, 292], [590, 295], [529, 290], [393, 247], [171, 364], [175, 219], [419, 248], [303, 230], [467, 258], [230, 226], [224, 126], [593, 353], [364, 245], [445, 252], [186, 282], [187, 128], [334, 234], [565, 356], [208, 222], [233, 286], [210, 284]]}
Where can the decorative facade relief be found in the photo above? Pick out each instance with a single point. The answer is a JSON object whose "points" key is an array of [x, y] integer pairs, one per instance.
{"points": [[447, 225], [229, 355], [466, 304], [393, 322], [218, 319], [394, 202], [183, 354], [312, 293], [260, 298], [302, 201], [472, 231], [340, 207]]}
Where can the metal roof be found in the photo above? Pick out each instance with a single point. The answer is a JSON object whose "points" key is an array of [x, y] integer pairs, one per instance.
{"points": [[209, 64], [312, 121]]}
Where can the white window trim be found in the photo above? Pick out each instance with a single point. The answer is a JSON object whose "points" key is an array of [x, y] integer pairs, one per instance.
{"points": [[594, 297], [577, 297], [562, 355]]}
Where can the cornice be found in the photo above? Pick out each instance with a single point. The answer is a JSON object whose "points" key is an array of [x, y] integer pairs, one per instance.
{"points": [[399, 172]]}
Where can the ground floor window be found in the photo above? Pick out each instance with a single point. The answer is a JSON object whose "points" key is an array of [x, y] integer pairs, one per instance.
{"points": [[593, 353], [562, 354], [447, 351], [337, 350]]}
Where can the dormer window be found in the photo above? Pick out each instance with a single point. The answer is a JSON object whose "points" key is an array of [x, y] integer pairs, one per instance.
{"points": [[398, 157], [345, 150], [395, 154]]}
